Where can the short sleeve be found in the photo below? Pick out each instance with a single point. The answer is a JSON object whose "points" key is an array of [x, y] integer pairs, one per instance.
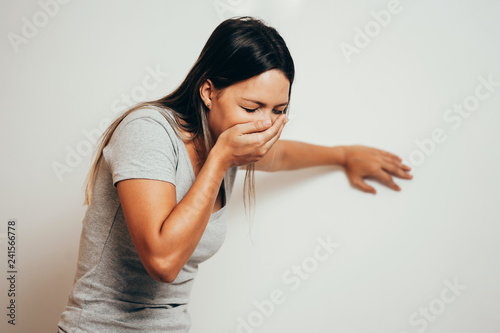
{"points": [[141, 148]]}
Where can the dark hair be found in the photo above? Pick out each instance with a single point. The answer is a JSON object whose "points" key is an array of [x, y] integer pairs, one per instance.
{"points": [[238, 49]]}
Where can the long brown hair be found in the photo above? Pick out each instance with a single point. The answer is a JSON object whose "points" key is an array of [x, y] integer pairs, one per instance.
{"points": [[238, 49]]}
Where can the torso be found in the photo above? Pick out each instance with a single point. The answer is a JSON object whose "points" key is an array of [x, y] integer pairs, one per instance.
{"points": [[197, 168]]}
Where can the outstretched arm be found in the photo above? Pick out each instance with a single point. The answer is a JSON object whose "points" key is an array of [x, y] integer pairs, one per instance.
{"points": [[291, 155], [358, 161]]}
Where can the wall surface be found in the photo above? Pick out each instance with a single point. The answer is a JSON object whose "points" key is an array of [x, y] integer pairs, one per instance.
{"points": [[420, 79]]}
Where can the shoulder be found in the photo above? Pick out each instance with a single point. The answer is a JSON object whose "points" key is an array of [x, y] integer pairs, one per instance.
{"points": [[143, 130], [150, 114], [148, 122]]}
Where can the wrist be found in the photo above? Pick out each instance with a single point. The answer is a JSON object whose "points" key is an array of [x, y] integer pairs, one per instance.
{"points": [[218, 158], [338, 155]]}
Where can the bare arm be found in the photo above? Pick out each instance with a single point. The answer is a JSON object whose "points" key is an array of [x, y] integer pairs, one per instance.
{"points": [[358, 161], [290, 155], [165, 233]]}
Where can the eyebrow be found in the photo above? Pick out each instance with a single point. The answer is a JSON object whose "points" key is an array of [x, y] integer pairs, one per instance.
{"points": [[260, 103]]}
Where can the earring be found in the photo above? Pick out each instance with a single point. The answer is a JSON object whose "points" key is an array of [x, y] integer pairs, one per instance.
{"points": [[208, 105]]}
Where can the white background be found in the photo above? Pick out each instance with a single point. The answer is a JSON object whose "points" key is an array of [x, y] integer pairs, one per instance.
{"points": [[396, 250]]}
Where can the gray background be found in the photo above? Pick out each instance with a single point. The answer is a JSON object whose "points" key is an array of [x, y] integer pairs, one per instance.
{"points": [[397, 249]]}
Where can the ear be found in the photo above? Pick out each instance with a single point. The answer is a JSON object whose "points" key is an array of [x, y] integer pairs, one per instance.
{"points": [[207, 90]]}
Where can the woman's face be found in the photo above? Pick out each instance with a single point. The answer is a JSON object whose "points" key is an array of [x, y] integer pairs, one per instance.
{"points": [[264, 96]]}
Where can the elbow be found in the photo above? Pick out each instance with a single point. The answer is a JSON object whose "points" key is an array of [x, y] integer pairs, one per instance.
{"points": [[162, 270]]}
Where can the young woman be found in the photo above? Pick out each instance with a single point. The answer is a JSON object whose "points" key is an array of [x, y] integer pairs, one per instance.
{"points": [[164, 173]]}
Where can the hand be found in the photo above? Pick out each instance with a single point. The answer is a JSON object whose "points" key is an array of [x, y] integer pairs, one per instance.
{"points": [[361, 161], [248, 142]]}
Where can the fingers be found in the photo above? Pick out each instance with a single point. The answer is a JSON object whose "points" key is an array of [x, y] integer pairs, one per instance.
{"points": [[403, 173], [270, 133], [275, 129], [383, 176], [387, 180], [405, 167], [252, 127], [260, 126], [389, 163], [397, 168], [275, 138], [390, 155], [358, 182], [396, 159]]}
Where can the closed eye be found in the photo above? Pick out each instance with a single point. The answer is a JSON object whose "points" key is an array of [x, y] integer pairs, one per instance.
{"points": [[253, 110]]}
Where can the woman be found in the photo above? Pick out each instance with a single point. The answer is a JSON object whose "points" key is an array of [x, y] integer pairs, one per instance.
{"points": [[164, 173]]}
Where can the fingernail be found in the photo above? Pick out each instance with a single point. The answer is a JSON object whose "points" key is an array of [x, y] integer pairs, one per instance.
{"points": [[267, 122]]}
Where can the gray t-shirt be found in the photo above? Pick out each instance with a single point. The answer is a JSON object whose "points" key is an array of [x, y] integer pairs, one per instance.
{"points": [[112, 290]]}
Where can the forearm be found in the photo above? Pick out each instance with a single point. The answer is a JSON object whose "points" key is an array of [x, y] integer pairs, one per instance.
{"points": [[298, 155], [185, 225]]}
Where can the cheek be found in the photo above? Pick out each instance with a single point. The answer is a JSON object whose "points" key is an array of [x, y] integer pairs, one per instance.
{"points": [[236, 118], [223, 118], [236, 115]]}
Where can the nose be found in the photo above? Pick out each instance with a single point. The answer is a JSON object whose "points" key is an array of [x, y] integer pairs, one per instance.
{"points": [[267, 115]]}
